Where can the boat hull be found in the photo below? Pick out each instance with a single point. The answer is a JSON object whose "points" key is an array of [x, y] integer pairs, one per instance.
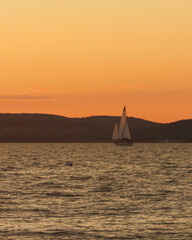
{"points": [[123, 143]]}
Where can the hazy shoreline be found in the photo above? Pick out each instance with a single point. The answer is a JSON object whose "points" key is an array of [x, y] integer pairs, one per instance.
{"points": [[46, 128]]}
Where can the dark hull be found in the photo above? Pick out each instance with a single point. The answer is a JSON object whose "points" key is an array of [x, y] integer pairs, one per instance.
{"points": [[123, 143]]}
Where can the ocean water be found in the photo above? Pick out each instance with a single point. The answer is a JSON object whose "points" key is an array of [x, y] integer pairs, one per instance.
{"points": [[138, 192]]}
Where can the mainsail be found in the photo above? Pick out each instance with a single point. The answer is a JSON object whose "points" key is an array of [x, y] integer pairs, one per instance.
{"points": [[126, 132], [120, 134], [123, 118]]}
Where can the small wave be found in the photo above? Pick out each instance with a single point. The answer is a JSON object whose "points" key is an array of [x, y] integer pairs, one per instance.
{"points": [[83, 178], [103, 189], [7, 169], [52, 233], [47, 184], [59, 194]]}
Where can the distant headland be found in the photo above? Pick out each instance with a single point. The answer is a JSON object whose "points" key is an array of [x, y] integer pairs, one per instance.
{"points": [[54, 128]]}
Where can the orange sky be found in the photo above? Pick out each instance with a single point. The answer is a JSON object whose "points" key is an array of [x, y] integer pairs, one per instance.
{"points": [[79, 57]]}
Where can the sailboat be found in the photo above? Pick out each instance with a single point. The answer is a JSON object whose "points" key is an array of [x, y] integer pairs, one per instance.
{"points": [[121, 134]]}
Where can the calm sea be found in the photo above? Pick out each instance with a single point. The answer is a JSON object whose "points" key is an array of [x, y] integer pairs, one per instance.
{"points": [[138, 192]]}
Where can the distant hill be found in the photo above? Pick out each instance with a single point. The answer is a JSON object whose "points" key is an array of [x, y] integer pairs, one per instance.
{"points": [[180, 131], [53, 128]]}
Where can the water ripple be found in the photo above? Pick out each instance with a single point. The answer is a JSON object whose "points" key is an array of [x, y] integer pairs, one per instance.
{"points": [[141, 192]]}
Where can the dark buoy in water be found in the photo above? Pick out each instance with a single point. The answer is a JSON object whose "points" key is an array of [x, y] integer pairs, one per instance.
{"points": [[68, 163]]}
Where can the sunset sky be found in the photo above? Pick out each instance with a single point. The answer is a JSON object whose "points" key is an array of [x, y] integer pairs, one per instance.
{"points": [[79, 58]]}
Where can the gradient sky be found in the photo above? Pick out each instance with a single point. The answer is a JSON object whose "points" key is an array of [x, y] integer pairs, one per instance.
{"points": [[90, 57]]}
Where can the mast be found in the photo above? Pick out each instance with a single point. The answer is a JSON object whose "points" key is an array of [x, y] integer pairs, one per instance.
{"points": [[123, 118], [122, 124], [124, 132]]}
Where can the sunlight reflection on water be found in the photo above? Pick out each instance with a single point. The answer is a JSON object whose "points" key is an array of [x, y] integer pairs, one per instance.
{"points": [[111, 192]]}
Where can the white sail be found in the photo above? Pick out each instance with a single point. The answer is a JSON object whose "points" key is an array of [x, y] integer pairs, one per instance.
{"points": [[123, 118], [126, 132], [120, 135], [115, 132]]}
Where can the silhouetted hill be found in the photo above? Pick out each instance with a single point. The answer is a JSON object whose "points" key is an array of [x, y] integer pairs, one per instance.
{"points": [[53, 128], [180, 131]]}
